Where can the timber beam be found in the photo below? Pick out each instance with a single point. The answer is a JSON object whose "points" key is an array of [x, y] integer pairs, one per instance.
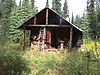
{"points": [[48, 26], [71, 37]]}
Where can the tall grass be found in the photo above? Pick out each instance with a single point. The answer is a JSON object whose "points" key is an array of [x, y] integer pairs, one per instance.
{"points": [[85, 61]]}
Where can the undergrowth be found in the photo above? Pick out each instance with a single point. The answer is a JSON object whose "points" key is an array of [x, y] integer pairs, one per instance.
{"points": [[85, 61]]}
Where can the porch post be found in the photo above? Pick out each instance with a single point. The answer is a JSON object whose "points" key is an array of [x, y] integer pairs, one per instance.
{"points": [[47, 16], [23, 44], [47, 11], [71, 37], [35, 20]]}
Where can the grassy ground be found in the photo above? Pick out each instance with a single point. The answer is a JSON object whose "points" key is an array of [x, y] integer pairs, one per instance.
{"points": [[84, 61]]}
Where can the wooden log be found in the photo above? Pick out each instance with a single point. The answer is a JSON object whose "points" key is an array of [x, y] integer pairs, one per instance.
{"points": [[50, 40], [49, 33], [60, 21], [48, 25], [47, 16], [71, 37], [23, 38], [35, 21]]}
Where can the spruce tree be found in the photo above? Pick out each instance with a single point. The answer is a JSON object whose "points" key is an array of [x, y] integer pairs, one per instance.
{"points": [[6, 6], [0, 16], [14, 33], [77, 20], [56, 6], [92, 19], [64, 13], [20, 3], [32, 3], [98, 18], [17, 18], [47, 3], [35, 10], [72, 18], [26, 11], [85, 27]]}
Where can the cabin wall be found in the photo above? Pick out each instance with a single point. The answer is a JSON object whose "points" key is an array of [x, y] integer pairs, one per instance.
{"points": [[54, 36], [77, 38], [58, 35]]}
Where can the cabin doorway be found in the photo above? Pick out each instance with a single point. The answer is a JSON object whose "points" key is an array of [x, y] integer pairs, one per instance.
{"points": [[54, 38], [59, 36]]}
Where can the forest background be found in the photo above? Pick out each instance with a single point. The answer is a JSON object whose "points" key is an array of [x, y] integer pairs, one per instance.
{"points": [[12, 16]]}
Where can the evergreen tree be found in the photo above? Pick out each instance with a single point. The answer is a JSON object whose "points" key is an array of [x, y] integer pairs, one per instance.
{"points": [[20, 3], [35, 10], [92, 19], [47, 3], [32, 3], [64, 14], [0, 16], [98, 18], [14, 33], [17, 18], [26, 11], [72, 18], [77, 20], [56, 6], [6, 6], [85, 27]]}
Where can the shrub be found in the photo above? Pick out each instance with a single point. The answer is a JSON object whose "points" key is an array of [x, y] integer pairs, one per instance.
{"points": [[12, 63], [79, 63], [40, 63], [13, 46]]}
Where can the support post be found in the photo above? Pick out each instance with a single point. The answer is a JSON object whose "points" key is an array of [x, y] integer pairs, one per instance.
{"points": [[47, 24], [60, 21], [47, 16], [71, 37], [35, 20], [23, 44]]}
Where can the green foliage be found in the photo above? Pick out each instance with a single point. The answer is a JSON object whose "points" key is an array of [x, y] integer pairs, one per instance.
{"points": [[13, 63], [72, 64], [85, 27], [32, 3], [92, 19], [98, 19], [34, 62], [3, 40], [98, 29], [40, 63], [17, 18], [77, 20], [15, 34], [56, 6], [72, 20], [64, 13], [75, 63], [79, 63], [26, 11], [5, 7], [20, 3], [12, 46]]}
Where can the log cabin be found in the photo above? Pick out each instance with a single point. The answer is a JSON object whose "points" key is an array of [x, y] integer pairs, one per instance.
{"points": [[50, 30]]}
